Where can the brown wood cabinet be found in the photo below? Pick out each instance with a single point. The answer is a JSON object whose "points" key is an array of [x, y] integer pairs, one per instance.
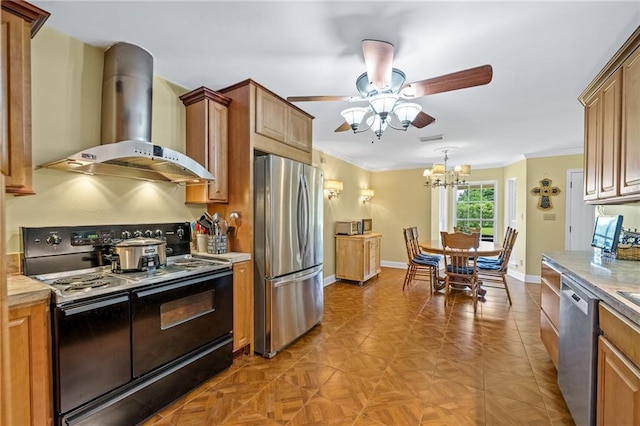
{"points": [[358, 256], [207, 143], [275, 126], [244, 141], [550, 310], [242, 306], [612, 132], [280, 121], [618, 399], [630, 170], [602, 139], [30, 366], [20, 22]]}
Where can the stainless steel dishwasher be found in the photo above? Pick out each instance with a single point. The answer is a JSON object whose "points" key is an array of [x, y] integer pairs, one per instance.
{"points": [[577, 358]]}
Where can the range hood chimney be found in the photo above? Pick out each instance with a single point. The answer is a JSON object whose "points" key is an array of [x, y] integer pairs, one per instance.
{"points": [[127, 150]]}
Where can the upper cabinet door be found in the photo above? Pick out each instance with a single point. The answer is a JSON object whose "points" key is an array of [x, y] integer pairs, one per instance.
{"points": [[592, 142], [271, 116], [207, 143], [20, 22], [299, 130], [609, 151], [630, 170]]}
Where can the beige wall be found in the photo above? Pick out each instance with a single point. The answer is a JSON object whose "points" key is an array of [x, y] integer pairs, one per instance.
{"points": [[401, 201], [347, 206], [66, 95], [546, 235]]}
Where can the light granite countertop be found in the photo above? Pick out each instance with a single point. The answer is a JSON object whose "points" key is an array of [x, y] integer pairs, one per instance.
{"points": [[234, 257], [24, 290], [603, 277]]}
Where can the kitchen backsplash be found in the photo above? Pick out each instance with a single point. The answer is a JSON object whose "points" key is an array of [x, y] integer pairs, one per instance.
{"points": [[631, 213]]}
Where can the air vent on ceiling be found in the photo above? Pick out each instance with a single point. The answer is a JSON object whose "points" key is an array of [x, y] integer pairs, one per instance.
{"points": [[431, 138]]}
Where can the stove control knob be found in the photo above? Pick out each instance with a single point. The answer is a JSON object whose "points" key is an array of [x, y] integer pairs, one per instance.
{"points": [[53, 240], [125, 235], [158, 233], [148, 233], [180, 233], [137, 234]]}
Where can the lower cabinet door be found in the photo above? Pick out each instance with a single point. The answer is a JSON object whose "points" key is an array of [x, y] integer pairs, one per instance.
{"points": [[618, 387]]}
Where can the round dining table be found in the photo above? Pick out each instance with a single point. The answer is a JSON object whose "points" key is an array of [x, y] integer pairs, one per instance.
{"points": [[486, 248]]}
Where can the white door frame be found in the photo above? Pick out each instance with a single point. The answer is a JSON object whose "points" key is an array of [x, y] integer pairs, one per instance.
{"points": [[569, 205]]}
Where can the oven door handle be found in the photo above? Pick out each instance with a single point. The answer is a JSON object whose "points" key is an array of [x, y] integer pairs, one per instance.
{"points": [[90, 306], [144, 293]]}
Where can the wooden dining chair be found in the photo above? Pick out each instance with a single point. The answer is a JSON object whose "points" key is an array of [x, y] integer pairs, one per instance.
{"points": [[495, 273], [497, 259], [460, 257], [420, 266]]}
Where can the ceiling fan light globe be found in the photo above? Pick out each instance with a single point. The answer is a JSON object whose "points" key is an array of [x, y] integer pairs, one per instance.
{"points": [[407, 112], [354, 116], [377, 125], [383, 103]]}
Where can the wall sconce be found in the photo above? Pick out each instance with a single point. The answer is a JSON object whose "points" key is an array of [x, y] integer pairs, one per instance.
{"points": [[367, 194], [334, 187]]}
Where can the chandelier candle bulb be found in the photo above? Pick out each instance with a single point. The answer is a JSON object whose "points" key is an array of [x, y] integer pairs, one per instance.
{"points": [[438, 169]]}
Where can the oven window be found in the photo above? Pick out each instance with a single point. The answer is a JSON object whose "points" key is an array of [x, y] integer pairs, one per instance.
{"points": [[187, 308]]}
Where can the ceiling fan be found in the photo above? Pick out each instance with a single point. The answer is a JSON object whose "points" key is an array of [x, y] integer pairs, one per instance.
{"points": [[384, 86]]}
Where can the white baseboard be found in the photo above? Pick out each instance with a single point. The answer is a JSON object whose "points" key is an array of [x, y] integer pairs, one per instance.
{"points": [[329, 280], [390, 264], [515, 274], [535, 279]]}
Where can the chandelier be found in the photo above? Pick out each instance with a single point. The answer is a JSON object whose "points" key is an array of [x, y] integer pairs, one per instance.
{"points": [[440, 176], [383, 109]]}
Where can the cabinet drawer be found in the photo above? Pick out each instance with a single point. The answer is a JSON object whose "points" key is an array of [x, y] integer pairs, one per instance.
{"points": [[551, 276], [550, 303], [550, 337], [621, 332]]}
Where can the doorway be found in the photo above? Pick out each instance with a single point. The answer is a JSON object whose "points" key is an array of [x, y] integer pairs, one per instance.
{"points": [[580, 216]]}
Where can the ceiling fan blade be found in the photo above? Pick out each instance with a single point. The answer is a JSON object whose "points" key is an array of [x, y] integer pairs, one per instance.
{"points": [[458, 80], [378, 58], [422, 120], [324, 98], [343, 127]]}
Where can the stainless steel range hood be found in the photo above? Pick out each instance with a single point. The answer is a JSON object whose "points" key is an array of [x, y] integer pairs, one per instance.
{"points": [[126, 149]]}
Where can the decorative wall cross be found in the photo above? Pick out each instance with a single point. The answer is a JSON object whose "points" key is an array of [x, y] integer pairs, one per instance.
{"points": [[545, 191]]}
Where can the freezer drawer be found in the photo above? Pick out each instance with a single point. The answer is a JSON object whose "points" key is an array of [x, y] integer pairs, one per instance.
{"points": [[286, 308]]}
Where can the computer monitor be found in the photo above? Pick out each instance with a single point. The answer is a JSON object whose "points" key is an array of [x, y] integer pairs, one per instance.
{"points": [[606, 233]]}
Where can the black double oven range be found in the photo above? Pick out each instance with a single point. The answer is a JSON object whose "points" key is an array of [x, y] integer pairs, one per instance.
{"points": [[127, 344]]}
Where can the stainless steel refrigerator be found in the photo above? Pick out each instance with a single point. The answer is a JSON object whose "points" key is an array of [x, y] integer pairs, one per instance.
{"points": [[288, 282]]}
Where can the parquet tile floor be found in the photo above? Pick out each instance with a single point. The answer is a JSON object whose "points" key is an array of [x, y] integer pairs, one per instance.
{"points": [[382, 356]]}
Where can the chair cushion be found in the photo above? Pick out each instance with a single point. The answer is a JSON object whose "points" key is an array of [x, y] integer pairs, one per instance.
{"points": [[488, 259], [433, 257], [467, 270], [489, 266], [425, 262]]}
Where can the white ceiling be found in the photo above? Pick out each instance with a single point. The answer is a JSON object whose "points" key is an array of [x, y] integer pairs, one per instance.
{"points": [[543, 55]]}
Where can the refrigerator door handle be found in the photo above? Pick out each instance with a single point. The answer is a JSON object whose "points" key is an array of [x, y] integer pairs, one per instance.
{"points": [[283, 281], [303, 217]]}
